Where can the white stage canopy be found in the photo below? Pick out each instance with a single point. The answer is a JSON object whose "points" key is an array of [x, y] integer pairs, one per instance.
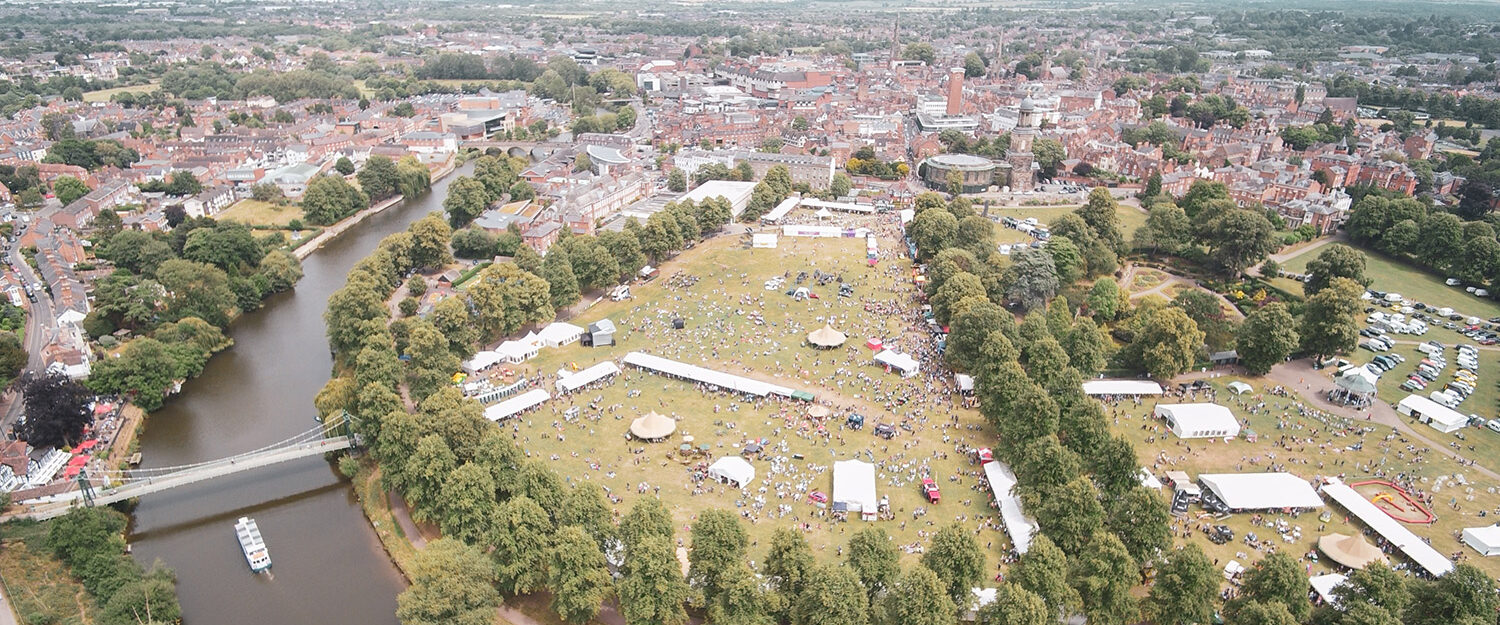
{"points": [[516, 405], [1121, 387], [854, 488], [1392, 530], [732, 469], [904, 363], [587, 376], [1199, 420], [1261, 491], [1018, 526], [695, 373], [1485, 540]]}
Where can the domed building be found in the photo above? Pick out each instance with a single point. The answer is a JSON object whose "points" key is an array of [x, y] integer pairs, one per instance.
{"points": [[977, 172]]}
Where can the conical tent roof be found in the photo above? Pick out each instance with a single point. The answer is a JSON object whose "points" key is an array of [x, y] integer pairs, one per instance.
{"points": [[653, 426], [818, 411], [1350, 551], [1358, 380], [826, 337]]}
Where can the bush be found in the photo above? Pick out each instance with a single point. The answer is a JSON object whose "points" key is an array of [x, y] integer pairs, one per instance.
{"points": [[416, 286], [409, 306], [348, 466]]}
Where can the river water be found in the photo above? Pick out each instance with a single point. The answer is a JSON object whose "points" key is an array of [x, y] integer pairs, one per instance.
{"points": [[328, 565]]}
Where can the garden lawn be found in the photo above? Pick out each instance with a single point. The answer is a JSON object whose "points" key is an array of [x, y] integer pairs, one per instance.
{"points": [[258, 213], [1131, 219], [1412, 282], [720, 334], [1322, 447], [103, 95]]}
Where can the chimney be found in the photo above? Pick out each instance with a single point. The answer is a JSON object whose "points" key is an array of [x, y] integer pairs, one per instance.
{"points": [[955, 91]]}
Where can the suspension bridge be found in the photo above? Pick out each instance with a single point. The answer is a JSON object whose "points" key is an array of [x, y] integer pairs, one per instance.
{"points": [[98, 486]]}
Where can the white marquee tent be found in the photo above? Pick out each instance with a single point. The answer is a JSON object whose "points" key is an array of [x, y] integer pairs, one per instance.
{"points": [[898, 361], [1324, 585], [732, 469], [1121, 387], [586, 377], [669, 367], [1199, 420], [854, 488], [1485, 540], [516, 405], [1018, 526], [1261, 491], [1440, 417], [558, 334]]}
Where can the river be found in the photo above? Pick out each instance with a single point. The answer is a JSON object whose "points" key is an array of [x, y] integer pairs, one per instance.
{"points": [[329, 567]]}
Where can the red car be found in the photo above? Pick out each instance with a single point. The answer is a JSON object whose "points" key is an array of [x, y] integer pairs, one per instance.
{"points": [[930, 490]]}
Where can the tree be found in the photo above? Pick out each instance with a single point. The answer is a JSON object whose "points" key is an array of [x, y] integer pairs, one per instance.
{"points": [[1049, 153], [832, 597], [505, 298], [1375, 585], [932, 231], [562, 284], [328, 199], [719, 543], [152, 599], [467, 198], [466, 504], [1101, 213], [788, 567], [1475, 200], [875, 559], [427, 468], [919, 597], [1031, 279], [1466, 596], [1266, 337], [345, 166], [920, 51], [1087, 346], [1014, 605], [1166, 342], [1329, 325], [1252, 612], [647, 518], [57, 410], [1335, 261], [379, 178], [1205, 310], [12, 356], [1239, 238], [1069, 515], [1103, 575], [68, 188], [521, 539], [1140, 520], [1104, 299], [969, 332], [652, 591], [577, 575], [841, 184], [585, 507], [1186, 584], [1043, 571], [676, 181], [451, 584], [1277, 578], [957, 559], [741, 600], [1440, 240], [958, 288], [973, 65]]}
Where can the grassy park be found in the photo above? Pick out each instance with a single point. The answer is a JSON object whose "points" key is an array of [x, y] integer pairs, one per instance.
{"points": [[711, 289], [258, 213], [1324, 445], [103, 95]]}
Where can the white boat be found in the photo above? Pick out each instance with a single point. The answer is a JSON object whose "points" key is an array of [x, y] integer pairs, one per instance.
{"points": [[252, 544]]}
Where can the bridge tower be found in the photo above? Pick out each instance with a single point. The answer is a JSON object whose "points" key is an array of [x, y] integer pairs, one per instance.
{"points": [[86, 488]]}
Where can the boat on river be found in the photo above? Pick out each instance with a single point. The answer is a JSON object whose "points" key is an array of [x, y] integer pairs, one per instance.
{"points": [[253, 545]]}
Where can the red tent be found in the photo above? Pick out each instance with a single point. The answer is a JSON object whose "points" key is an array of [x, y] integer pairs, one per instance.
{"points": [[874, 344], [78, 461], [88, 444]]}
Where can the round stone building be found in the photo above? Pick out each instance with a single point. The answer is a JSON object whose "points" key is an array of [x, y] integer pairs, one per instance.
{"points": [[978, 172]]}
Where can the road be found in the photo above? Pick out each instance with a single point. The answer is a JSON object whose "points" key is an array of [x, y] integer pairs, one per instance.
{"points": [[41, 324]]}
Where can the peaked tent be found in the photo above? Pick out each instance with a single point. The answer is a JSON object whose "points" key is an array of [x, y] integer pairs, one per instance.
{"points": [[1358, 380], [1351, 551], [653, 427], [826, 337], [1485, 540]]}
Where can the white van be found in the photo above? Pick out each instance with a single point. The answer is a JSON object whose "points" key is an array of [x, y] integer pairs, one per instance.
{"points": [[1445, 398], [1430, 350], [1444, 312]]}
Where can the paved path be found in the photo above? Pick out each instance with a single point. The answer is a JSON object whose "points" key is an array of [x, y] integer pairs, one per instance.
{"points": [[402, 514], [1282, 257], [1127, 278], [7, 611]]}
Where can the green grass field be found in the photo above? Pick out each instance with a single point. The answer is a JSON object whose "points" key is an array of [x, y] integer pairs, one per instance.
{"points": [[258, 213], [1412, 282], [1130, 220], [103, 95], [721, 334], [1317, 445]]}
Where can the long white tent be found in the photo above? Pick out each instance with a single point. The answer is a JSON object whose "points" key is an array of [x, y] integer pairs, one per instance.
{"points": [[781, 210], [1199, 420], [1440, 417], [516, 405], [587, 376], [1261, 491], [903, 363], [1485, 540], [854, 488], [1121, 387], [1392, 530], [1018, 526], [695, 373]]}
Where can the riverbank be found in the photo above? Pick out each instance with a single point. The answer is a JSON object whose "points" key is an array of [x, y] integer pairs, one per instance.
{"points": [[332, 232]]}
